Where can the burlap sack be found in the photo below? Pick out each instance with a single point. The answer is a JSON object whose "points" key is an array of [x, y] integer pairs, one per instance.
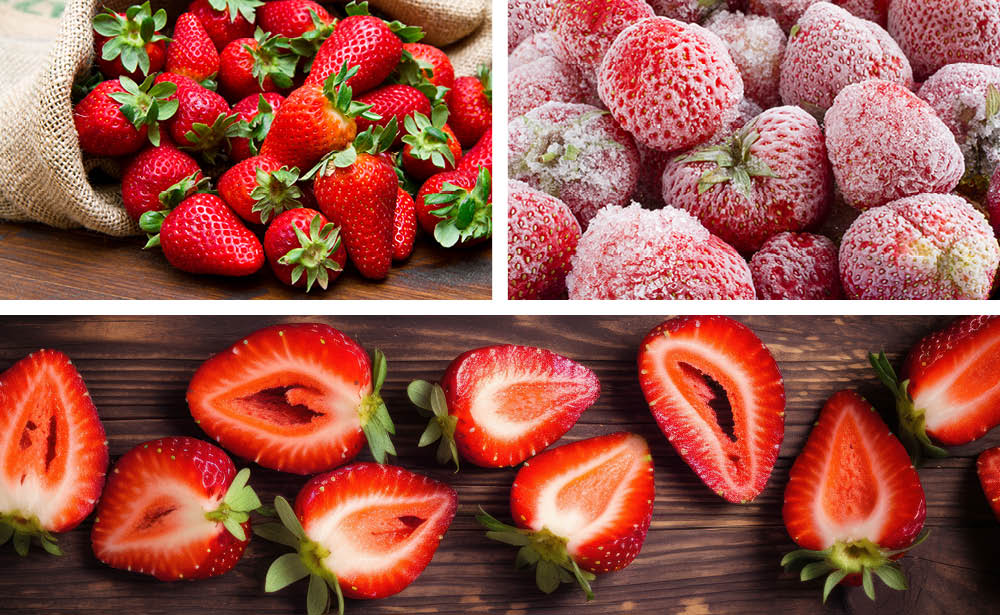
{"points": [[44, 45]]}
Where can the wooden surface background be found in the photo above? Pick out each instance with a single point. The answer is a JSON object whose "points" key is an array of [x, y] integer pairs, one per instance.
{"points": [[44, 263], [703, 556]]}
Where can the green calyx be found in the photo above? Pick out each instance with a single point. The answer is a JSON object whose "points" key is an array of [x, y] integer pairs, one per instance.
{"points": [[146, 104], [129, 34], [467, 215], [375, 140], [337, 91], [912, 420], [418, 73], [307, 45], [543, 550], [236, 8], [21, 529], [408, 34], [312, 257], [375, 419], [485, 76], [272, 57], [427, 138], [208, 140], [257, 127], [430, 402], [734, 163], [240, 500], [276, 192], [151, 221], [845, 558]]}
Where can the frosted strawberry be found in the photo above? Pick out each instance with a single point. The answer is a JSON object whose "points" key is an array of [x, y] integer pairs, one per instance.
{"points": [[756, 44], [787, 12], [226, 20], [257, 112], [988, 469], [584, 29], [259, 188], [404, 226], [771, 176], [993, 201], [797, 266], [526, 17], [885, 144], [542, 235], [394, 101], [669, 83], [930, 246], [250, 66], [539, 45], [117, 117], [304, 249], [130, 43], [693, 11], [545, 80], [154, 170], [577, 153], [191, 52], [934, 34], [634, 253]]}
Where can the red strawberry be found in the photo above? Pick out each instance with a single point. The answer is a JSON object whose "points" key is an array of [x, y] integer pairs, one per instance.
{"points": [[154, 170], [430, 146], [191, 53], [581, 509], [203, 122], [292, 18], [53, 451], [254, 65], [988, 468], [226, 20], [296, 398], [426, 68], [853, 501], [470, 102], [393, 101], [137, 48], [456, 207], [677, 361], [303, 241], [118, 116], [259, 188], [257, 111], [202, 235], [584, 30], [174, 508], [365, 531], [934, 34], [480, 156], [404, 226], [499, 405], [542, 238], [797, 266]]}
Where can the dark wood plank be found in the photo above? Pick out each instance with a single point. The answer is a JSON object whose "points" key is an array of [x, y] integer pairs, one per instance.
{"points": [[702, 556]]}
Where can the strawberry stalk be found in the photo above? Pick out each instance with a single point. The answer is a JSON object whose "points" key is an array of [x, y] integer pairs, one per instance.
{"points": [[146, 104], [426, 137], [912, 420], [272, 58], [151, 221], [129, 34], [430, 402], [467, 214], [212, 141], [240, 500], [375, 419], [733, 163], [307, 45], [236, 8], [22, 529], [313, 255], [417, 73], [276, 192]]}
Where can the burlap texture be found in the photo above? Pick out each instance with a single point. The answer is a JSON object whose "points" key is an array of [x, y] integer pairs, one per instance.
{"points": [[43, 174]]}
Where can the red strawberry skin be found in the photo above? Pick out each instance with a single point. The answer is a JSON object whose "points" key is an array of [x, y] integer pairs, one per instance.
{"points": [[988, 468], [202, 235], [191, 53], [102, 128], [290, 18], [363, 41], [404, 226], [479, 156], [673, 360], [237, 184], [196, 104], [53, 451], [220, 28], [151, 172], [280, 238], [393, 101], [443, 72], [247, 109], [307, 127], [471, 111]]}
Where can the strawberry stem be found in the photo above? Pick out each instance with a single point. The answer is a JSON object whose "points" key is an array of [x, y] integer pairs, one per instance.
{"points": [[375, 419], [912, 420], [431, 402], [21, 529], [240, 500]]}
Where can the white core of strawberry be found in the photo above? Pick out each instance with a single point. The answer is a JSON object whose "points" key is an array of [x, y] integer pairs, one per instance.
{"points": [[490, 408]]}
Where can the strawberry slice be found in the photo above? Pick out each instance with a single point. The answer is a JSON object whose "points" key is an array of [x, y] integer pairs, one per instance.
{"points": [[581, 509], [174, 508], [365, 531], [53, 452], [949, 392], [296, 398], [674, 360], [853, 501], [988, 467], [498, 405]]}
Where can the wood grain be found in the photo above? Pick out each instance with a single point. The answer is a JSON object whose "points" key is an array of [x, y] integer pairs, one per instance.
{"points": [[703, 556]]}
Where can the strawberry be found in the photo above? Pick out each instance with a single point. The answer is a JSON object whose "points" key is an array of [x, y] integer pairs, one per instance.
{"points": [[393, 101], [583, 30], [581, 509], [53, 451], [404, 226], [191, 53], [426, 68], [787, 12], [678, 361], [250, 66], [499, 405], [293, 18], [174, 508], [988, 468], [456, 207], [226, 20], [257, 112], [118, 116], [480, 156], [757, 45], [365, 531], [259, 188], [542, 238], [130, 44], [296, 398], [470, 102], [527, 17], [154, 170], [303, 241], [853, 501], [203, 122], [798, 266], [933, 34], [429, 146]]}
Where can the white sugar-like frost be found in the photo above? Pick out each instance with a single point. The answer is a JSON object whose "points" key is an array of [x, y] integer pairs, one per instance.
{"points": [[538, 45], [546, 80], [756, 44], [796, 266]]}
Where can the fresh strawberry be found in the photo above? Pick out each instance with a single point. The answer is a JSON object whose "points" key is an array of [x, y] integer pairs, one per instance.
{"points": [[174, 508], [259, 188], [293, 18], [226, 20], [365, 531], [257, 111], [988, 468], [154, 170], [542, 238], [456, 207], [136, 48], [471, 106], [853, 501], [393, 101], [499, 405], [254, 65], [426, 68], [118, 116], [296, 398], [678, 361], [303, 241], [203, 122], [429, 145], [933, 34], [191, 53], [581, 509], [53, 451], [404, 226], [480, 156]]}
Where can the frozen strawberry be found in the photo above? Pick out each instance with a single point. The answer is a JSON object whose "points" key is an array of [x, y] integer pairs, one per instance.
{"points": [[584, 29], [545, 80], [259, 188], [693, 11], [988, 468], [191, 52], [787, 12], [933, 34], [993, 201], [303, 249], [226, 20], [292, 18], [634, 253], [526, 17], [577, 153], [734, 119], [542, 235], [130, 44], [257, 111], [154, 170], [769, 177], [797, 266], [669, 83], [249, 66], [930, 246], [394, 101], [886, 144], [830, 49], [117, 117], [404, 226], [756, 44], [539, 45]]}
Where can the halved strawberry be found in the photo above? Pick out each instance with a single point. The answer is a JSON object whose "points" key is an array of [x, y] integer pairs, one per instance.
{"points": [[499, 405], [296, 398], [988, 467], [365, 531], [174, 508], [674, 361], [53, 453], [853, 501], [581, 509]]}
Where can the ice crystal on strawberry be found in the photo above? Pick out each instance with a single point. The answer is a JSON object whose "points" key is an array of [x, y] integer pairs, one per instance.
{"points": [[538, 45], [526, 17], [787, 12], [942, 32], [756, 44], [584, 29], [542, 236], [692, 11], [796, 266], [543, 80]]}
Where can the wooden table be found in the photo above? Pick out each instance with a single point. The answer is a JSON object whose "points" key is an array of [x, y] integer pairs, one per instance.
{"points": [[703, 556], [44, 263]]}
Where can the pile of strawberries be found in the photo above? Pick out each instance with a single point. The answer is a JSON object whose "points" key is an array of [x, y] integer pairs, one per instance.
{"points": [[742, 149], [274, 130]]}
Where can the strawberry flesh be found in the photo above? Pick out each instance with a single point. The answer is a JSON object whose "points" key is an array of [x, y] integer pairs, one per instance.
{"points": [[988, 467]]}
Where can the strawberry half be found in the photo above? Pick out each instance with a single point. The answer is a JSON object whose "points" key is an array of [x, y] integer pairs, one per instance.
{"points": [[674, 360], [499, 405], [365, 531], [53, 452], [295, 398], [581, 509], [988, 467], [853, 501], [174, 508]]}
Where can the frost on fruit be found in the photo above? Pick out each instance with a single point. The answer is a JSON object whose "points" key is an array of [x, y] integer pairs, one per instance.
{"points": [[929, 246], [538, 45], [576, 153], [542, 236], [756, 44], [634, 253], [584, 29], [787, 12], [933, 34], [797, 266], [526, 17], [692, 11], [546, 80], [993, 201], [885, 144]]}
